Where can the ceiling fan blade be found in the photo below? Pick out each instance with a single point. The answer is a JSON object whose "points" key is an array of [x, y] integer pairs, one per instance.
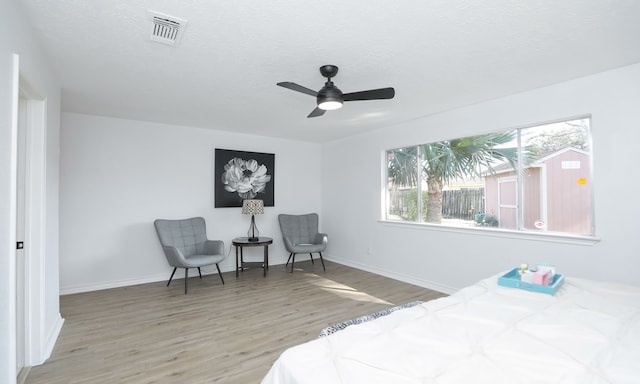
{"points": [[316, 112], [373, 94], [298, 88]]}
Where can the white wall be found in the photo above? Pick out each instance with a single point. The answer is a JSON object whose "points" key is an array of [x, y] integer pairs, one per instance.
{"points": [[450, 260], [16, 38], [118, 176]]}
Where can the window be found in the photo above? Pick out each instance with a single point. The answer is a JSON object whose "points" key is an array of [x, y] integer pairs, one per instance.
{"points": [[535, 179]]}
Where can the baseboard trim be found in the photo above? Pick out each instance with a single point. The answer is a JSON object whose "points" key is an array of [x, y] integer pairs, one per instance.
{"points": [[164, 277], [143, 280], [111, 284], [396, 276], [52, 337], [22, 375]]}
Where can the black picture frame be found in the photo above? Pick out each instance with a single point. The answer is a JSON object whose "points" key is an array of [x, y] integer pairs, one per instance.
{"points": [[236, 171]]}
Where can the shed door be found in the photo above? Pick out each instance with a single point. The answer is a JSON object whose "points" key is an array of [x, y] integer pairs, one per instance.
{"points": [[507, 203]]}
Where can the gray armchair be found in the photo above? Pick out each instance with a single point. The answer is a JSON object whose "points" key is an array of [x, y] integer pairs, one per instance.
{"points": [[185, 245], [300, 235]]}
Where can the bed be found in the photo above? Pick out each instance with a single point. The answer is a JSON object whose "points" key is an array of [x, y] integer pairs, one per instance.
{"points": [[588, 332]]}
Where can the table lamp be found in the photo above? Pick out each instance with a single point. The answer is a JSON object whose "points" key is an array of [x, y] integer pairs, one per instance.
{"points": [[253, 207]]}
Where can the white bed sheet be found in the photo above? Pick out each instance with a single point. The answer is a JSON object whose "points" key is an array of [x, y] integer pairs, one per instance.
{"points": [[587, 333]]}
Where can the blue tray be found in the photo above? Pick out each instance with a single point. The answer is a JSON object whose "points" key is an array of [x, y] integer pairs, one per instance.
{"points": [[512, 279]]}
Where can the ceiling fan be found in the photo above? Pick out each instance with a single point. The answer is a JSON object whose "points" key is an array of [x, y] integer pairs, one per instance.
{"points": [[331, 97]]}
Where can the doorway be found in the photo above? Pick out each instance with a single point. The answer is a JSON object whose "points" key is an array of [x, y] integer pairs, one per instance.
{"points": [[21, 338], [30, 229]]}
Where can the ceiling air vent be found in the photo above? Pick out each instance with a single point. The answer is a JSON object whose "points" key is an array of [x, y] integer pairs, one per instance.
{"points": [[166, 29]]}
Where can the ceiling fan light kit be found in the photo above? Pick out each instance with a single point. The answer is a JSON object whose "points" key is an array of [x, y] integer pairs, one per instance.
{"points": [[331, 97], [330, 105]]}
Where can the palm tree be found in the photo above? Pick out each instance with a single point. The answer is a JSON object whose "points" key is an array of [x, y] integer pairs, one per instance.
{"points": [[447, 160], [402, 171], [459, 158], [402, 166]]}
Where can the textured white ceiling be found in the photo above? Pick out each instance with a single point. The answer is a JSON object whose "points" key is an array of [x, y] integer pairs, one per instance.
{"points": [[437, 54]]}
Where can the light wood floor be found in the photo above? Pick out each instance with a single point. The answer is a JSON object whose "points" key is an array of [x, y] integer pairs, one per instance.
{"points": [[216, 333]]}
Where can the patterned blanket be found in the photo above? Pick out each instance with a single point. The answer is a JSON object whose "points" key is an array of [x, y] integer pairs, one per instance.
{"points": [[363, 319]]}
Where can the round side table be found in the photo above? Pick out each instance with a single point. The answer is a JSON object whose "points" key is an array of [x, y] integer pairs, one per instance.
{"points": [[241, 242]]}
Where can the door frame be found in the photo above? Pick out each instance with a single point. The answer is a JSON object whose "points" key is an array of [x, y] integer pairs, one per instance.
{"points": [[33, 121]]}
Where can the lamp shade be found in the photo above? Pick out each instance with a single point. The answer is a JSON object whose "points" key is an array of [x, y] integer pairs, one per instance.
{"points": [[252, 207]]}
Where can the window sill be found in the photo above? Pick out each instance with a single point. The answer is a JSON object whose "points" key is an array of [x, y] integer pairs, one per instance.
{"points": [[495, 232]]}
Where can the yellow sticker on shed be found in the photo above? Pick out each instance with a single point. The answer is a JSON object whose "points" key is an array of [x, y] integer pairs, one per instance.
{"points": [[582, 181]]}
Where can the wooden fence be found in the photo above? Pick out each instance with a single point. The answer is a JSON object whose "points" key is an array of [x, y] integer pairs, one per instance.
{"points": [[463, 203]]}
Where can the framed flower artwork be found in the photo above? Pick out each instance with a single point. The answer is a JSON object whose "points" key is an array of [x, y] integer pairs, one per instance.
{"points": [[241, 175]]}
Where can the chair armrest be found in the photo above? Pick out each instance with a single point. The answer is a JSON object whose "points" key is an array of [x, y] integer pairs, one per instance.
{"points": [[174, 256], [321, 238], [214, 247]]}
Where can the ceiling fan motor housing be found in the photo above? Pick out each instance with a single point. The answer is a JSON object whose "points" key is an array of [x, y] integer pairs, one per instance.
{"points": [[329, 97]]}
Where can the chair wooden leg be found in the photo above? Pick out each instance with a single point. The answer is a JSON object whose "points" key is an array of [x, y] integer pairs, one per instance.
{"points": [[199, 273], [293, 261], [322, 260], [311, 255], [174, 271], [220, 273], [186, 278]]}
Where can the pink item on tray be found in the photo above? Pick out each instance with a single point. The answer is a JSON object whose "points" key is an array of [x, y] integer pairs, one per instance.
{"points": [[541, 277]]}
